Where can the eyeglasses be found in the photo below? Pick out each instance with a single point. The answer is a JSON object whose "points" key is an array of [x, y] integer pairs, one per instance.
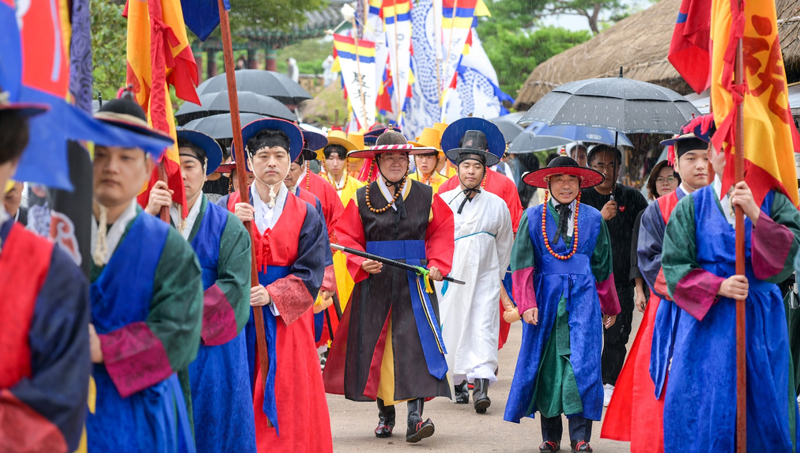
{"points": [[602, 168], [669, 179]]}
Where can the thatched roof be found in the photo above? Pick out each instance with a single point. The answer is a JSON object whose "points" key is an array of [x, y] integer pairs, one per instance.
{"points": [[640, 44]]}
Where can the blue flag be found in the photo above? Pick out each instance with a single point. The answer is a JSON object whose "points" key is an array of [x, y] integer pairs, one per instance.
{"points": [[202, 16]]}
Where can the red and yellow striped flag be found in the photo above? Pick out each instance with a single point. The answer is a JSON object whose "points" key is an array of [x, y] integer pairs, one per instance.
{"points": [[167, 60], [770, 137]]}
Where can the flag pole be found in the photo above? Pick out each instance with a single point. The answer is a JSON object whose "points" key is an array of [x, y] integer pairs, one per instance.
{"points": [[241, 173], [449, 47], [396, 66], [741, 340]]}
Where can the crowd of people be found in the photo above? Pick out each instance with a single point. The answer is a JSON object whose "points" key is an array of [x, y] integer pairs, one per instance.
{"points": [[447, 243]]}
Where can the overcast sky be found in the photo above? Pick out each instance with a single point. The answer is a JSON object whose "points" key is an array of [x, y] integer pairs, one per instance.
{"points": [[575, 22]]}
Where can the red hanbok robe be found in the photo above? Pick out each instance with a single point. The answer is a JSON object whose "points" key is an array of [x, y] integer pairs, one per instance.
{"points": [[504, 188]]}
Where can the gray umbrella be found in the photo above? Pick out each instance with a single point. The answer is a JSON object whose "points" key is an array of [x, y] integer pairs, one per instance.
{"points": [[219, 126], [615, 103], [215, 103], [508, 125], [267, 83]]}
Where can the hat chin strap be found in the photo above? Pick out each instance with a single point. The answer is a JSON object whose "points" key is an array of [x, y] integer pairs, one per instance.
{"points": [[273, 192], [469, 190], [388, 182]]}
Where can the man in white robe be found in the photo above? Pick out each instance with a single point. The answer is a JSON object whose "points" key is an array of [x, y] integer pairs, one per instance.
{"points": [[483, 241]]}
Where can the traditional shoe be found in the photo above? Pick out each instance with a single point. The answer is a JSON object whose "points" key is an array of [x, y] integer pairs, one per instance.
{"points": [[418, 429], [386, 418], [480, 396], [462, 393], [549, 445], [581, 445]]}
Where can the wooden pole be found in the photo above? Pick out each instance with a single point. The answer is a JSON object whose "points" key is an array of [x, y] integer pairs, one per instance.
{"points": [[741, 341], [241, 173], [396, 67]]}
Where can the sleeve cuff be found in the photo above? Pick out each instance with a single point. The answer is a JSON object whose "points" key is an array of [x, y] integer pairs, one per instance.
{"points": [[771, 243], [329, 280], [134, 358], [22, 429], [290, 298], [522, 289], [219, 321], [607, 293], [697, 292]]}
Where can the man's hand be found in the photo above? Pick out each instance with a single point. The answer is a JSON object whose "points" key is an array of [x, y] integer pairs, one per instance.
{"points": [[531, 316], [609, 320], [640, 300], [609, 210], [327, 301], [736, 287], [244, 212], [160, 196], [511, 315], [742, 197], [259, 296], [94, 345], [435, 274], [371, 267]]}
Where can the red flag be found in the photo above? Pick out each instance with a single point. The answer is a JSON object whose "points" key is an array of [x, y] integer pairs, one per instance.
{"points": [[689, 51]]}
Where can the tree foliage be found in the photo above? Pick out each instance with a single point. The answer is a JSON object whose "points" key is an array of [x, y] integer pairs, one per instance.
{"points": [[108, 47]]}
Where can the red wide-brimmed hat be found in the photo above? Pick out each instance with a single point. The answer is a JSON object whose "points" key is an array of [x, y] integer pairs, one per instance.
{"points": [[563, 165], [383, 149]]}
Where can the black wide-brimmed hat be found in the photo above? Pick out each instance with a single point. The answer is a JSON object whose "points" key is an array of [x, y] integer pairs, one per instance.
{"points": [[127, 114], [563, 165], [474, 143]]}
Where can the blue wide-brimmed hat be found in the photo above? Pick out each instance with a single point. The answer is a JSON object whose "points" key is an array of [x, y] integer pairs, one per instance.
{"points": [[26, 110], [495, 141], [207, 144], [290, 129]]}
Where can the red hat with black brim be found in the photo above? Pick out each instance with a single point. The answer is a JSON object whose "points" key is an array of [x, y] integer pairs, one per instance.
{"points": [[383, 149], [563, 165], [230, 166]]}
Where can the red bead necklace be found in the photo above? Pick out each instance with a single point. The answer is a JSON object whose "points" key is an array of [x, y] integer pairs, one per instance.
{"points": [[574, 233], [308, 177]]}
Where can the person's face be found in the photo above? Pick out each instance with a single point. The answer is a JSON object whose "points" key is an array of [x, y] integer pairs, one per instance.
{"points": [[335, 164], [194, 175], [580, 156], [564, 188], [717, 160], [119, 174], [354, 164], [393, 165], [426, 164], [295, 170], [471, 173], [604, 163], [235, 179], [666, 181], [271, 164], [693, 168], [13, 198]]}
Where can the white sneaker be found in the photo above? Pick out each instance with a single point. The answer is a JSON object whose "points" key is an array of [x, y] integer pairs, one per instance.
{"points": [[608, 390]]}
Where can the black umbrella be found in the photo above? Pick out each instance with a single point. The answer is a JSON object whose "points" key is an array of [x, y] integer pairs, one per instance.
{"points": [[219, 126], [267, 83], [249, 102], [615, 103], [508, 125]]}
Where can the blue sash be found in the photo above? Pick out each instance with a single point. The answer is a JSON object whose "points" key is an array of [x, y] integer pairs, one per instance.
{"points": [[270, 325], [430, 336]]}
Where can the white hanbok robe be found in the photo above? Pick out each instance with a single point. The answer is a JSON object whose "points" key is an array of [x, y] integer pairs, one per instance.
{"points": [[470, 313]]}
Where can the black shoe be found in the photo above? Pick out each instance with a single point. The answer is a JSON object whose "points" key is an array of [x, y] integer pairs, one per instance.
{"points": [[386, 417], [462, 393], [481, 396], [417, 428], [549, 445], [580, 445]]}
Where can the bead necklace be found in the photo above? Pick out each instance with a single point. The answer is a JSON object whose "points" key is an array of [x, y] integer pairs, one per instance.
{"points": [[485, 178], [333, 183], [308, 177], [575, 228], [391, 203], [424, 179]]}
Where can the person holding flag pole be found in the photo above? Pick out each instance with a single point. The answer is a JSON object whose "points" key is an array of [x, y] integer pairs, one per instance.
{"points": [[726, 277]]}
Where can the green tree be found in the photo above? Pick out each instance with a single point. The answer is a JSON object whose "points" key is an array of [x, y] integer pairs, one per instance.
{"points": [[108, 47], [514, 53]]}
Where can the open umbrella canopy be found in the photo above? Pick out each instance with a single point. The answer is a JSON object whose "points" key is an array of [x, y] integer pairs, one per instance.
{"points": [[538, 136], [267, 83], [249, 102], [219, 126], [508, 125], [615, 103]]}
